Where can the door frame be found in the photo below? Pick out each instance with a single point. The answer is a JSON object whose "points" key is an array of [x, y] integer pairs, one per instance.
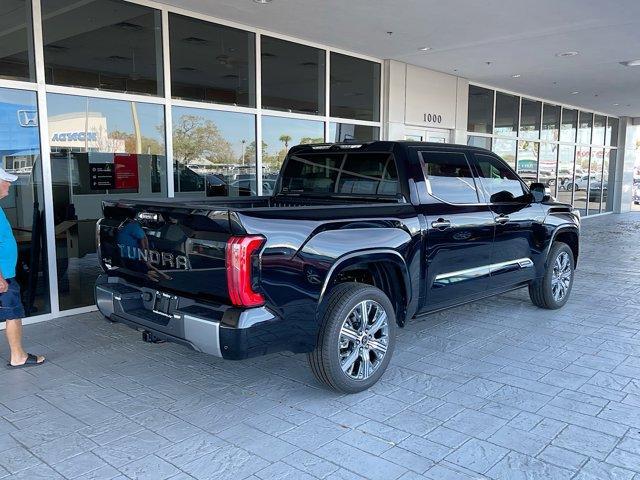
{"points": [[427, 134]]}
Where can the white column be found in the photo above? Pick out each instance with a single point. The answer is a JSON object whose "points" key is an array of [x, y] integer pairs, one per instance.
{"points": [[45, 158], [395, 74], [628, 134], [168, 114], [258, 114]]}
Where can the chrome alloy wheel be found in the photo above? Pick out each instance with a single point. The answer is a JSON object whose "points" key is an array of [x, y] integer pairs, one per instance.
{"points": [[364, 338], [561, 277]]}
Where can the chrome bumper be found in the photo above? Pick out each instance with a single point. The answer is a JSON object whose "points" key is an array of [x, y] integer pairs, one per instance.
{"points": [[185, 322]]}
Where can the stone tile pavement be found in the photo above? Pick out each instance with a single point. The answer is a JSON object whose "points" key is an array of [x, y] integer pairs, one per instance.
{"points": [[496, 389]]}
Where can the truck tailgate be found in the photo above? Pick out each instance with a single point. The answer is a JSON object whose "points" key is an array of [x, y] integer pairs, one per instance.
{"points": [[174, 248]]}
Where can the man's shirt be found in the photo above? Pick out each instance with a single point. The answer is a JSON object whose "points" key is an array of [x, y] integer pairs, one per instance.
{"points": [[8, 248]]}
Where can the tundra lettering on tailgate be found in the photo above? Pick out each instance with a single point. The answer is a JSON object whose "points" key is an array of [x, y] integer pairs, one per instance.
{"points": [[155, 257]]}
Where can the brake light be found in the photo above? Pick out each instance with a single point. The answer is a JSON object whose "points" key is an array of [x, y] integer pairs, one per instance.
{"points": [[239, 255]]}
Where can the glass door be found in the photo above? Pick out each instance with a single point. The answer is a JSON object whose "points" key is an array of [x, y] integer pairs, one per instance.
{"points": [[427, 135], [438, 136], [415, 135]]}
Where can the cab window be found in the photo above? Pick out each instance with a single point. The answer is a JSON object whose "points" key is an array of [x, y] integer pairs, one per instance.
{"points": [[499, 183]]}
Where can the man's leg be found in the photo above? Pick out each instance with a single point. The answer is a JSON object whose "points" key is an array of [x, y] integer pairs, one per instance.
{"points": [[14, 336]]}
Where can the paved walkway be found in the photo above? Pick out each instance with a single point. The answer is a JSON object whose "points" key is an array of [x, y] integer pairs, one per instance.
{"points": [[496, 389]]}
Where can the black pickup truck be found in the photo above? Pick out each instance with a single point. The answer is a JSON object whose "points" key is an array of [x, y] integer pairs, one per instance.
{"points": [[355, 241]]}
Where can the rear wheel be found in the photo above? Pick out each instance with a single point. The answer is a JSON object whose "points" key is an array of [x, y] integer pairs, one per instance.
{"points": [[356, 339], [553, 289]]}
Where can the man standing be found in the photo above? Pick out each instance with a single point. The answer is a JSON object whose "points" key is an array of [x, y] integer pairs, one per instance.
{"points": [[11, 309]]}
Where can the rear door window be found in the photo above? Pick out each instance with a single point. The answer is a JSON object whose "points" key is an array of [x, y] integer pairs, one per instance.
{"points": [[449, 177]]}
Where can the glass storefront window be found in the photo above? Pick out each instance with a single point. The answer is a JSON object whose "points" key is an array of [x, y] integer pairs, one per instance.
{"points": [[507, 110], [104, 44], [569, 125], [581, 179], [566, 163], [480, 117], [214, 153], [279, 134], [583, 157], [355, 88], [527, 165], [347, 132], [293, 76], [550, 122], [595, 180], [16, 55], [530, 112], [611, 139], [100, 149], [482, 142], [584, 128], [505, 149], [211, 62], [548, 166], [24, 206], [599, 123]]}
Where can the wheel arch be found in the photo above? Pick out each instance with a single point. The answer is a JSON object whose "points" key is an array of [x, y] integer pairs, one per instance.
{"points": [[571, 236], [381, 268]]}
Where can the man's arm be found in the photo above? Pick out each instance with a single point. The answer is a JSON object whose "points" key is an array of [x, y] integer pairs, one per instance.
{"points": [[4, 286]]}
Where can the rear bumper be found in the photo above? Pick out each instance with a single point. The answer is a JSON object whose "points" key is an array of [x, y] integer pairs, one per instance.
{"points": [[221, 331]]}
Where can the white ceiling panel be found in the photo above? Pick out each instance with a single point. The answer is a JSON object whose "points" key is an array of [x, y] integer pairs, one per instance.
{"points": [[514, 36]]}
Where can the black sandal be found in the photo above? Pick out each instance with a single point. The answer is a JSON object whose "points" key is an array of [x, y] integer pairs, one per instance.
{"points": [[31, 361]]}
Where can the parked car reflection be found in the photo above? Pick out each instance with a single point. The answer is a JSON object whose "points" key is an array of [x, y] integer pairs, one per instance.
{"points": [[597, 192]]}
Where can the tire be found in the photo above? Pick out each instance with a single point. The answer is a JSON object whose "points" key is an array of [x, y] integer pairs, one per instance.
{"points": [[542, 292], [339, 360]]}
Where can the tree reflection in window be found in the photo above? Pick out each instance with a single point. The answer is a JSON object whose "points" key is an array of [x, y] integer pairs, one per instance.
{"points": [[214, 152]]}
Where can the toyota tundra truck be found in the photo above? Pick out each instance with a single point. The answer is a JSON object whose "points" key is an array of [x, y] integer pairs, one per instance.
{"points": [[355, 241]]}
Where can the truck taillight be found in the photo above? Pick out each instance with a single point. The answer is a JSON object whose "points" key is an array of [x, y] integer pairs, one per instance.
{"points": [[239, 262]]}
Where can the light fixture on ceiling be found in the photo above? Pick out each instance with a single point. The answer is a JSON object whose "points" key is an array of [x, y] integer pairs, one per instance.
{"points": [[616, 104], [631, 63], [575, 93], [262, 2], [570, 53], [425, 49], [516, 75]]}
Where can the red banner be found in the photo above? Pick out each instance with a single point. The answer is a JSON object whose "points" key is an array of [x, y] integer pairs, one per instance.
{"points": [[126, 174]]}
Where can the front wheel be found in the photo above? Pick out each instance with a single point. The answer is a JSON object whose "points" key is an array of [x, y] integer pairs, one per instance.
{"points": [[356, 338], [553, 289]]}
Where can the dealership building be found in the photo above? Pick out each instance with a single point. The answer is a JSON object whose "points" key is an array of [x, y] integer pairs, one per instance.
{"points": [[108, 99]]}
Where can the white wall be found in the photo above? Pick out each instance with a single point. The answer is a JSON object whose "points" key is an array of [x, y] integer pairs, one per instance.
{"points": [[418, 98]]}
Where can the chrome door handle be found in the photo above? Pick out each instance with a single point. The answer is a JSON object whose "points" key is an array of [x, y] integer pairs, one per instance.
{"points": [[502, 219], [441, 224]]}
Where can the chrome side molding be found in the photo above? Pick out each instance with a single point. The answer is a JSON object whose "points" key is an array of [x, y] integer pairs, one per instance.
{"points": [[482, 271]]}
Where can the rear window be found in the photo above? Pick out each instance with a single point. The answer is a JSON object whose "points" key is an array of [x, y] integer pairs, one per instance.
{"points": [[341, 173]]}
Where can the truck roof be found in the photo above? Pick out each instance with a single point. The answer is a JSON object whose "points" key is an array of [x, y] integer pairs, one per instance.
{"points": [[377, 145]]}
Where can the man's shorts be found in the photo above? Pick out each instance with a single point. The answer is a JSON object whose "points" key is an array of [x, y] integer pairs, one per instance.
{"points": [[10, 302]]}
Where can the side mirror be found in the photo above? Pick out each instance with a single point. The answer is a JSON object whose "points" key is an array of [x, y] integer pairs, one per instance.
{"points": [[538, 191]]}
